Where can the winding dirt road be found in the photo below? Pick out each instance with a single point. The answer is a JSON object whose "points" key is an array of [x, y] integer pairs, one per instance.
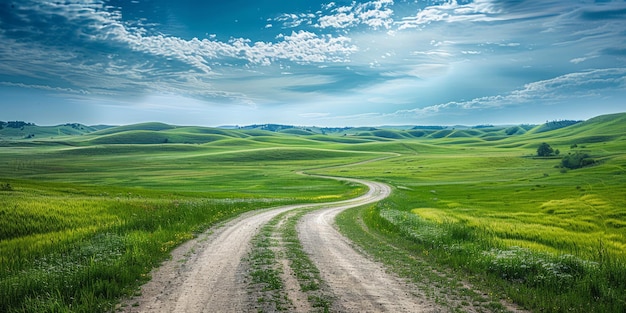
{"points": [[207, 274], [360, 284]]}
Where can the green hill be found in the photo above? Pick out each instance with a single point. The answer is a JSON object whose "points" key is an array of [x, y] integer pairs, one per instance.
{"points": [[602, 128], [22, 130], [208, 131], [156, 137], [152, 126], [296, 131], [598, 129]]}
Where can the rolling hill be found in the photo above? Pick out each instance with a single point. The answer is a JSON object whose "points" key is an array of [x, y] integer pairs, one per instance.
{"points": [[597, 129]]}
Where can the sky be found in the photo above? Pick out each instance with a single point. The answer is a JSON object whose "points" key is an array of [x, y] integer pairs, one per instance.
{"points": [[311, 63]]}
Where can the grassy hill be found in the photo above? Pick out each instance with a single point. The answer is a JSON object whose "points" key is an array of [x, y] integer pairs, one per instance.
{"points": [[31, 131], [152, 126], [157, 133]]}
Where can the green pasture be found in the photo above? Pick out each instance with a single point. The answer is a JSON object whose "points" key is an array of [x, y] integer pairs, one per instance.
{"points": [[554, 239], [85, 213], [523, 201], [82, 225]]}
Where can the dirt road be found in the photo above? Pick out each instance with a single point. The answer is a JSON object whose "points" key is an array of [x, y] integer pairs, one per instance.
{"points": [[360, 284], [207, 274]]}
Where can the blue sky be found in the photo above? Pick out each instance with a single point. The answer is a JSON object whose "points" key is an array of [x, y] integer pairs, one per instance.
{"points": [[303, 62]]}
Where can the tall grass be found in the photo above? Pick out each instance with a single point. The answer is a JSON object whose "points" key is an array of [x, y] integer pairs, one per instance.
{"points": [[60, 253], [554, 282]]}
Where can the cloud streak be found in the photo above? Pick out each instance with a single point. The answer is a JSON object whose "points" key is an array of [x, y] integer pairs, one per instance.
{"points": [[588, 84]]}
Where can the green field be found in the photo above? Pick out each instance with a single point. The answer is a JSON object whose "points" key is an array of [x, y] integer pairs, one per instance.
{"points": [[86, 212]]}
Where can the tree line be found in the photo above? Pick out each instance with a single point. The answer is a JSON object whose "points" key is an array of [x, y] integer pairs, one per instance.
{"points": [[15, 124]]}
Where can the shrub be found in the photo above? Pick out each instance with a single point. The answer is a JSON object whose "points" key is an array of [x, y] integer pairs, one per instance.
{"points": [[577, 160]]}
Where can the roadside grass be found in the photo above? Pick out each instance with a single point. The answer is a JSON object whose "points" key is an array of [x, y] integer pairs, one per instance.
{"points": [[402, 255], [64, 253], [537, 280]]}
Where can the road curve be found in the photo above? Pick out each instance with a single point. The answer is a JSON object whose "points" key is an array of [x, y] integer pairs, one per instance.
{"points": [[206, 275], [359, 284]]}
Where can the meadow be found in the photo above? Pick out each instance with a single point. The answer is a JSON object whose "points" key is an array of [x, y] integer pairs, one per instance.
{"points": [[83, 225], [548, 238], [87, 215]]}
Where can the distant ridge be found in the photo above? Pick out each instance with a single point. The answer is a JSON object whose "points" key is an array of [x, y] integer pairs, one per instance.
{"points": [[604, 127], [556, 125], [15, 130]]}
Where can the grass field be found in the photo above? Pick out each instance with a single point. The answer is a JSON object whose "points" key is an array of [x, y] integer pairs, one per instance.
{"points": [[83, 225], [86, 214], [554, 240]]}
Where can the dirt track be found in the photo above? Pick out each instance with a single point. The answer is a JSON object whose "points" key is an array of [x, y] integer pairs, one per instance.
{"points": [[360, 285], [207, 274]]}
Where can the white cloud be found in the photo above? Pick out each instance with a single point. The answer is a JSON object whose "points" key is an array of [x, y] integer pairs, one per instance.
{"points": [[375, 14], [328, 6], [451, 11], [300, 47], [339, 20], [291, 20]]}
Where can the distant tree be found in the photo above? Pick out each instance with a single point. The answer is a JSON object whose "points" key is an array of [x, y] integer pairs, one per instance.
{"points": [[577, 160], [544, 150], [556, 125], [18, 124]]}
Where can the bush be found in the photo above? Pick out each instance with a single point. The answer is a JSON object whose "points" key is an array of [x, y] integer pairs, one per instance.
{"points": [[577, 160], [6, 187]]}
